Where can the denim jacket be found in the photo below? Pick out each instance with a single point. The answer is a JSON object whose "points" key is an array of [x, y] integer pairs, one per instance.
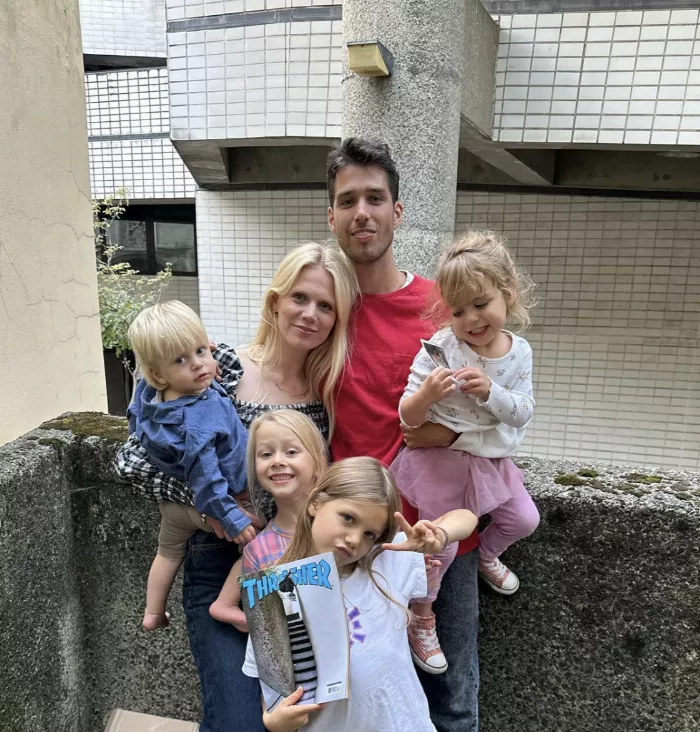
{"points": [[199, 439]]}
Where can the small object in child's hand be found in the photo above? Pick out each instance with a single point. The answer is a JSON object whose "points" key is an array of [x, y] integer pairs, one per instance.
{"points": [[439, 358]]}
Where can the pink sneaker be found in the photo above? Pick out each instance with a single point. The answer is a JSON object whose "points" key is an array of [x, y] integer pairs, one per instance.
{"points": [[498, 577], [425, 647]]}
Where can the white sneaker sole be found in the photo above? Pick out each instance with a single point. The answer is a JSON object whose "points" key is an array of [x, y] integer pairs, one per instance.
{"points": [[498, 589], [428, 669]]}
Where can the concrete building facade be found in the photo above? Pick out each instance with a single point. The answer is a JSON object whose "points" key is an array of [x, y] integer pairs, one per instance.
{"points": [[50, 354], [578, 137]]}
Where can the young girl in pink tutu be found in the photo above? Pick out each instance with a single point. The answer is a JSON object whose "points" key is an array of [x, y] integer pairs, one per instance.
{"points": [[486, 397]]}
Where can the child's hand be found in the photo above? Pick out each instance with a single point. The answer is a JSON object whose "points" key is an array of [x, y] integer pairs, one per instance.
{"points": [[424, 537], [237, 619], [437, 385], [476, 383], [246, 536], [212, 348], [287, 716]]}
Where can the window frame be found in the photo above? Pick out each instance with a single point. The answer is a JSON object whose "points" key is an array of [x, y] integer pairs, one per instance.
{"points": [[163, 214]]}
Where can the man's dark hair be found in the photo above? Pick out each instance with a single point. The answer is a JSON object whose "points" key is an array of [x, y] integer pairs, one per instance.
{"points": [[356, 151]]}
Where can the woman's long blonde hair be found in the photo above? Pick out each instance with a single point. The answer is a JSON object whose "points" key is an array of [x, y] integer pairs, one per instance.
{"points": [[361, 479], [324, 364], [306, 432], [469, 263]]}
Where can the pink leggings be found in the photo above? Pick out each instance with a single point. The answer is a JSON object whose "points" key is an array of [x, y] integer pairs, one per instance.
{"points": [[515, 519]]}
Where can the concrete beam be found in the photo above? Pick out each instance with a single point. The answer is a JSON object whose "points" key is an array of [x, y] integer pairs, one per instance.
{"points": [[627, 170], [206, 161], [277, 165], [494, 154]]}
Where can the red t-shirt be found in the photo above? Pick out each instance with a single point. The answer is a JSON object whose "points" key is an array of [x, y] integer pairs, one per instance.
{"points": [[385, 333]]}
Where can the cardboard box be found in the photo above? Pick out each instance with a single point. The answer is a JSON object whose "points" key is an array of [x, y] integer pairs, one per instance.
{"points": [[122, 721]]}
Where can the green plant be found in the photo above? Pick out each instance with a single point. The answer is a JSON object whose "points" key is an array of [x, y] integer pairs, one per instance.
{"points": [[122, 291]]}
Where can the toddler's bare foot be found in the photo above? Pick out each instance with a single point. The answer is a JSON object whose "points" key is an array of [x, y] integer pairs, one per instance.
{"points": [[153, 621], [229, 614]]}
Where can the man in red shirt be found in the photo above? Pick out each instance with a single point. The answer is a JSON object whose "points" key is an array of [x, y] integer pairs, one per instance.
{"points": [[385, 332]]}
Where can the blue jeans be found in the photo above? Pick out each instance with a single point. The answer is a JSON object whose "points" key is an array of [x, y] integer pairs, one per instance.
{"points": [[230, 700], [453, 696]]}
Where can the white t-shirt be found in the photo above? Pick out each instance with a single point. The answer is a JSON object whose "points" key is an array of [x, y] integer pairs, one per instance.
{"points": [[493, 428], [385, 694]]}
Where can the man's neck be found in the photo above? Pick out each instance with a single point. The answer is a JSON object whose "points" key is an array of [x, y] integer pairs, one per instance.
{"points": [[380, 277]]}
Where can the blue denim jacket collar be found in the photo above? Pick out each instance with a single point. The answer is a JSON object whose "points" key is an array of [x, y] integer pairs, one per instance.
{"points": [[173, 411]]}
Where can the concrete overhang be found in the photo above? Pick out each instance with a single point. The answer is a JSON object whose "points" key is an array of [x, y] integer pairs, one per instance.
{"points": [[477, 104]]}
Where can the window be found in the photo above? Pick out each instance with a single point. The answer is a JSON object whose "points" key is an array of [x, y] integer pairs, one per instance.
{"points": [[152, 236]]}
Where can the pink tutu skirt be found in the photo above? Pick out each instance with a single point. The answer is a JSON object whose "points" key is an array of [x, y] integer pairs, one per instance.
{"points": [[436, 480]]}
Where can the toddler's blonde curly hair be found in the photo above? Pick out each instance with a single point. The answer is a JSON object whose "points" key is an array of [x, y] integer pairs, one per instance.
{"points": [[467, 266]]}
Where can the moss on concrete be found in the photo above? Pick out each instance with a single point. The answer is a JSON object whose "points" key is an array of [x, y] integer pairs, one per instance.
{"points": [[642, 478], [588, 473], [569, 479], [91, 424]]}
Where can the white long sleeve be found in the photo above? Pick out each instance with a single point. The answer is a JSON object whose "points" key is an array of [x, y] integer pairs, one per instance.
{"points": [[488, 428]]}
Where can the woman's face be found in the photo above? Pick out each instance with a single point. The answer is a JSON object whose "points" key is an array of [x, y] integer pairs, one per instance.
{"points": [[306, 314]]}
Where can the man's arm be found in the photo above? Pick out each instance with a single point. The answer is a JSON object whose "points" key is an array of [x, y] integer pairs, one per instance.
{"points": [[133, 466], [429, 434]]}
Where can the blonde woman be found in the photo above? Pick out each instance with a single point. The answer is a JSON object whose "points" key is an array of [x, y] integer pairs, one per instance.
{"points": [[293, 362]]}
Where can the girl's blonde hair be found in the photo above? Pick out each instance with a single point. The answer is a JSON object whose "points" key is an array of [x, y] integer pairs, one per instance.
{"points": [[306, 432], [161, 332], [324, 364], [361, 479], [467, 266]]}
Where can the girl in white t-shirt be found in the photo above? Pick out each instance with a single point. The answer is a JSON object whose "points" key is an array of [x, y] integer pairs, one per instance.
{"points": [[353, 512], [485, 394]]}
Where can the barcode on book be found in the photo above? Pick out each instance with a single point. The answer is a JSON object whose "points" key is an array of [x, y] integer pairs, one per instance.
{"points": [[334, 688]]}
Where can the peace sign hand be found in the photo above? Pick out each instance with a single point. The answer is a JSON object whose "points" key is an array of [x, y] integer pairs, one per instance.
{"points": [[425, 537]]}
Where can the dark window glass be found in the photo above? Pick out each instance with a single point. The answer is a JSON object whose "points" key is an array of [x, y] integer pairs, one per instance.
{"points": [[131, 236], [175, 244]]}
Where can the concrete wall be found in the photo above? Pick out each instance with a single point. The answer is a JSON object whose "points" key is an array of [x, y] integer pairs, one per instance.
{"points": [[50, 350], [602, 635], [75, 547]]}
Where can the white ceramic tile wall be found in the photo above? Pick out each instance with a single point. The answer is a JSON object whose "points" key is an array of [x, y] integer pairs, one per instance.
{"points": [[241, 238], [147, 168], [627, 77], [133, 103], [123, 27], [127, 102], [185, 289], [616, 336], [276, 80]]}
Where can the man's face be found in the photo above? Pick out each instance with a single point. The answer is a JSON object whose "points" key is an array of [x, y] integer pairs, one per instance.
{"points": [[363, 216]]}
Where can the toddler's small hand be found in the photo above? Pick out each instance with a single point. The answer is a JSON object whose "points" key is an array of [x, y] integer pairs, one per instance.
{"points": [[476, 383], [212, 348], [437, 385], [246, 536]]}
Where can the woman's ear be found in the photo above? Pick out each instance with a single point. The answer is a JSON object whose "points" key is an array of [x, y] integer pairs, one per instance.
{"points": [[313, 508]]}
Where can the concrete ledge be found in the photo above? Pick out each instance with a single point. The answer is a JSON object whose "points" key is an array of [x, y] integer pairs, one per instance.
{"points": [[605, 631], [75, 547], [603, 635]]}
